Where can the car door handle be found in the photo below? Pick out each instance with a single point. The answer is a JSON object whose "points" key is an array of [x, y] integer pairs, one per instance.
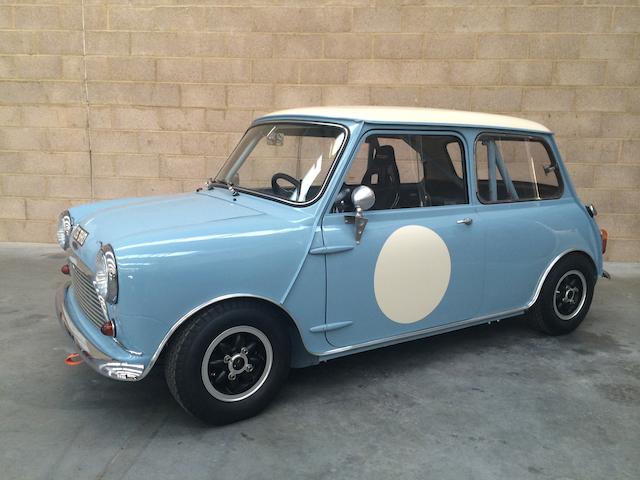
{"points": [[466, 221]]}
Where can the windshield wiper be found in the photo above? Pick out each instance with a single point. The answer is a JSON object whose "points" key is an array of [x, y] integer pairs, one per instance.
{"points": [[211, 182], [233, 191]]}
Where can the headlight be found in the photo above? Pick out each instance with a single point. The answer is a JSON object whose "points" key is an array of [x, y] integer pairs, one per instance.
{"points": [[106, 281], [64, 229]]}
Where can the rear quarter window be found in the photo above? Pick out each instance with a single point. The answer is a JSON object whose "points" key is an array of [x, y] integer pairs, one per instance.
{"points": [[511, 168]]}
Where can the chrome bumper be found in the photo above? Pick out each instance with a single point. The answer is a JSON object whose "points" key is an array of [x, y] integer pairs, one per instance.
{"points": [[92, 355]]}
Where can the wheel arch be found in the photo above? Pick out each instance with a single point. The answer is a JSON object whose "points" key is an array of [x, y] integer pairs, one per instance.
{"points": [[299, 354], [553, 263]]}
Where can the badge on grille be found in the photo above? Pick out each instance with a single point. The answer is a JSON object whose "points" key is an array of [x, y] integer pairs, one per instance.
{"points": [[80, 235]]}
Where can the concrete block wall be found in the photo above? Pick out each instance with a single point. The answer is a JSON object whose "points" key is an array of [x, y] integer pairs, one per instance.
{"points": [[110, 98]]}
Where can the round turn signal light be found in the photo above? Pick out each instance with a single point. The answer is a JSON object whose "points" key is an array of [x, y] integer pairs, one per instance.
{"points": [[108, 329]]}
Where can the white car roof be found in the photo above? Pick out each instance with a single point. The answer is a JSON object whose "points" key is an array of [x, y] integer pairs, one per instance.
{"points": [[409, 115]]}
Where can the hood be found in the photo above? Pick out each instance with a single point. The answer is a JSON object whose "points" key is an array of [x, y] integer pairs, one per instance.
{"points": [[115, 220]]}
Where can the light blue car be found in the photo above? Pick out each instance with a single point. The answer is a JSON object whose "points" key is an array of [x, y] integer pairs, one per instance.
{"points": [[328, 231]]}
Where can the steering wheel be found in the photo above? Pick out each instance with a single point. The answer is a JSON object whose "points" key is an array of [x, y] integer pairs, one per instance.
{"points": [[281, 191], [343, 200]]}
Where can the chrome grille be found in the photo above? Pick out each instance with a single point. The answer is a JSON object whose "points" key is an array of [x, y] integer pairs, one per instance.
{"points": [[85, 293]]}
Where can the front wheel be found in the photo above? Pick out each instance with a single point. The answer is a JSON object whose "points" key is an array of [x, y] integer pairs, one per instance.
{"points": [[565, 297], [229, 362]]}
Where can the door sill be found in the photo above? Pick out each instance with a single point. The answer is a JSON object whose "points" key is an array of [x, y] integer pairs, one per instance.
{"points": [[427, 332]]}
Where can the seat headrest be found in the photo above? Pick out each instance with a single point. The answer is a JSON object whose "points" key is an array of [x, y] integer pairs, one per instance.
{"points": [[385, 156]]}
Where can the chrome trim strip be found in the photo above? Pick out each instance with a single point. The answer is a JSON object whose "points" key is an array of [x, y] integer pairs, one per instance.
{"points": [[426, 332], [451, 326], [193, 311], [130, 352], [543, 277], [366, 345]]}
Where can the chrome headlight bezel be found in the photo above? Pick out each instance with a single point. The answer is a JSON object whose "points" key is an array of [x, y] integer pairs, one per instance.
{"points": [[106, 277], [63, 233]]}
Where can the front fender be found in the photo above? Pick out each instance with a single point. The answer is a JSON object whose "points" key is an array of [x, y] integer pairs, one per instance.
{"points": [[165, 280]]}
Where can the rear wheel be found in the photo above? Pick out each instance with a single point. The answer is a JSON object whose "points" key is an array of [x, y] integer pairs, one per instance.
{"points": [[565, 297], [229, 362]]}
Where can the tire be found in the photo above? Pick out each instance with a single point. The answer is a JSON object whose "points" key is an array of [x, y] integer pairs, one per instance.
{"points": [[558, 311], [247, 350]]}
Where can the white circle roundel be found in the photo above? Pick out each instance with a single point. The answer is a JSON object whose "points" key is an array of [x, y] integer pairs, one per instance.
{"points": [[412, 274]]}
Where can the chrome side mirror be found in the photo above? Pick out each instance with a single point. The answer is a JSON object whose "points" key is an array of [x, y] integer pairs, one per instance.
{"points": [[363, 199]]}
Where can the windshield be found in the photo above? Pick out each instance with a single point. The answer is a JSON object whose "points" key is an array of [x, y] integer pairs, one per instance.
{"points": [[283, 160]]}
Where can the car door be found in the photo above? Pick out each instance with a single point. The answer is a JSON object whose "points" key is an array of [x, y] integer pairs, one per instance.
{"points": [[524, 213], [419, 263]]}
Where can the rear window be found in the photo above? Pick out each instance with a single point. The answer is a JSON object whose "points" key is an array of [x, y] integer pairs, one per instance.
{"points": [[515, 169]]}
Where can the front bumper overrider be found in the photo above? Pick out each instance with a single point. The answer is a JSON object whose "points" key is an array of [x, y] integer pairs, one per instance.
{"points": [[108, 364]]}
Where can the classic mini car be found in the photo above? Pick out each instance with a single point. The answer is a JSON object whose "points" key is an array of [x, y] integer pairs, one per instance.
{"points": [[327, 232]]}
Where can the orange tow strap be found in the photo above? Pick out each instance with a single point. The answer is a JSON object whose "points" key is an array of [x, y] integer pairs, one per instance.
{"points": [[73, 359]]}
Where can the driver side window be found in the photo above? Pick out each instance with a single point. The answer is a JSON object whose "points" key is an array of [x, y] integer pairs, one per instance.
{"points": [[407, 171]]}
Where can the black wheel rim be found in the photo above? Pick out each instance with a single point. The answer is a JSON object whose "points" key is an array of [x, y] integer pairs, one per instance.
{"points": [[569, 295], [236, 363]]}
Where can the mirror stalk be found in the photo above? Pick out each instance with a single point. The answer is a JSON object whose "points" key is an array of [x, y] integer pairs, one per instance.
{"points": [[363, 199], [359, 220]]}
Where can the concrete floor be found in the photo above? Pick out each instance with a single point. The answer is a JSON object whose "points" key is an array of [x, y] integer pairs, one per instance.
{"points": [[498, 401]]}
